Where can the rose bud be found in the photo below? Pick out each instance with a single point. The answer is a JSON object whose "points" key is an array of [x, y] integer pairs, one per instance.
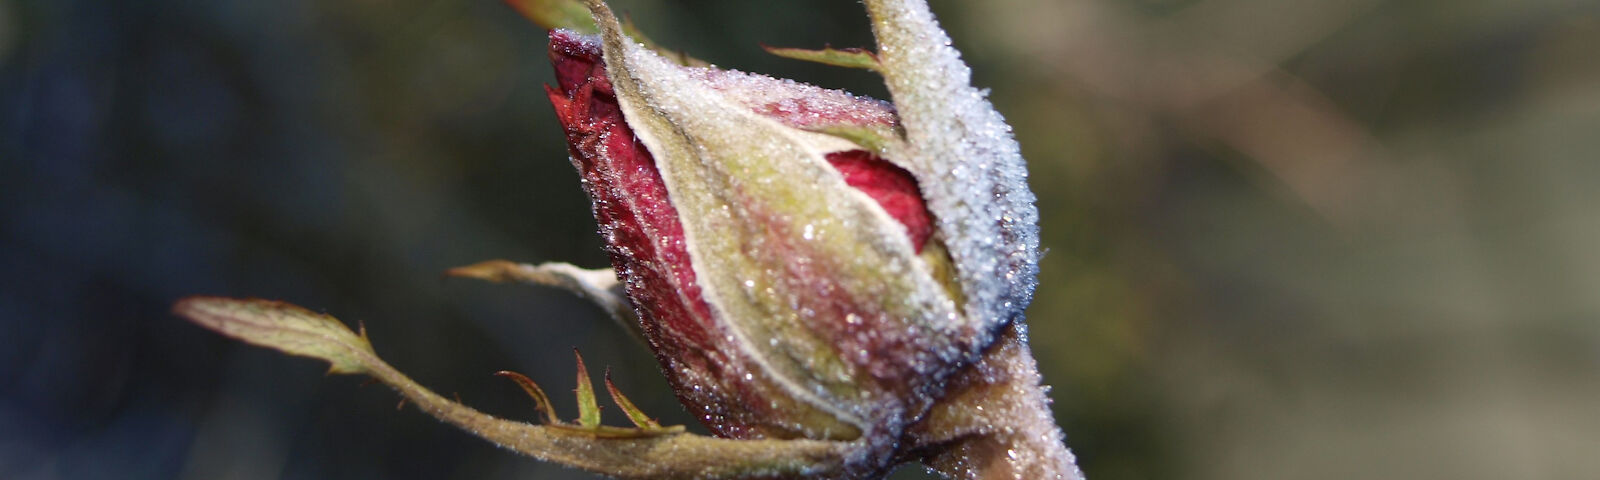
{"points": [[781, 294], [832, 284], [805, 263]]}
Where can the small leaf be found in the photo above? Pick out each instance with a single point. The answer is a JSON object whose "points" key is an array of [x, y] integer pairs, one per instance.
{"points": [[573, 15], [284, 327], [541, 401], [588, 408], [553, 14], [547, 411], [846, 57], [634, 414], [877, 138]]}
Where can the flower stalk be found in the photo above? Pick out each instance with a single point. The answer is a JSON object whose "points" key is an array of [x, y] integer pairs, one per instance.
{"points": [[673, 455]]}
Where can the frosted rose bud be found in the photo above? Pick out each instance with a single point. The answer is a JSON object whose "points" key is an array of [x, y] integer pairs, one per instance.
{"points": [[779, 282], [833, 284], [806, 263]]}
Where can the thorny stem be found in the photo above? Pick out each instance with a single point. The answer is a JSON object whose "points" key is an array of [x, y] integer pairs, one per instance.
{"points": [[671, 456], [619, 452]]}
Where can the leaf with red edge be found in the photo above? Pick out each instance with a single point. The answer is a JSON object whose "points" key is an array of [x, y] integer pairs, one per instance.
{"points": [[284, 327], [541, 402]]}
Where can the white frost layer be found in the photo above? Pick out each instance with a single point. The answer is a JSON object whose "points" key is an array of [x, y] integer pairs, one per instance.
{"points": [[963, 155]]}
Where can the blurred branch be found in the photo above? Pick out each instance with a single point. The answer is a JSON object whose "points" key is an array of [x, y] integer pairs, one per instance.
{"points": [[1212, 69]]}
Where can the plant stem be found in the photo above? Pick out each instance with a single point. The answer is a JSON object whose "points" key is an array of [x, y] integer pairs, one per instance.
{"points": [[666, 456], [995, 422]]}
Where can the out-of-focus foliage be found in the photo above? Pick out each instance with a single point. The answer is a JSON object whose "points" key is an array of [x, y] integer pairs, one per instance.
{"points": [[1288, 239]]}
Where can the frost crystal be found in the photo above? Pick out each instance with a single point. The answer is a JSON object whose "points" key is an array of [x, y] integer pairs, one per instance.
{"points": [[963, 155]]}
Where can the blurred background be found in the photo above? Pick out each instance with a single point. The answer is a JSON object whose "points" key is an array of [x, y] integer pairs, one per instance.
{"points": [[1287, 239]]}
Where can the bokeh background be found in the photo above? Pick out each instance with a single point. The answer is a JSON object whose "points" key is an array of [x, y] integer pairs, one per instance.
{"points": [[1311, 239]]}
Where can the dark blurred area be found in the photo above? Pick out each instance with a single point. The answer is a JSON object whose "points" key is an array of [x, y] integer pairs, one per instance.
{"points": [[1287, 239]]}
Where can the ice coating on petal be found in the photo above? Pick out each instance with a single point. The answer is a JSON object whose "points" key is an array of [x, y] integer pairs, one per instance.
{"points": [[816, 282], [797, 104], [965, 159]]}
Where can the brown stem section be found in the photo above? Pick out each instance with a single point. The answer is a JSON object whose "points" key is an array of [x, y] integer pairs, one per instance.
{"points": [[995, 422]]}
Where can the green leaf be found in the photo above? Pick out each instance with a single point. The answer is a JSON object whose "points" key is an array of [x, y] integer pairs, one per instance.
{"points": [[877, 138], [573, 15], [846, 57], [553, 14], [588, 408], [541, 402], [287, 328], [547, 413], [634, 414], [614, 451]]}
